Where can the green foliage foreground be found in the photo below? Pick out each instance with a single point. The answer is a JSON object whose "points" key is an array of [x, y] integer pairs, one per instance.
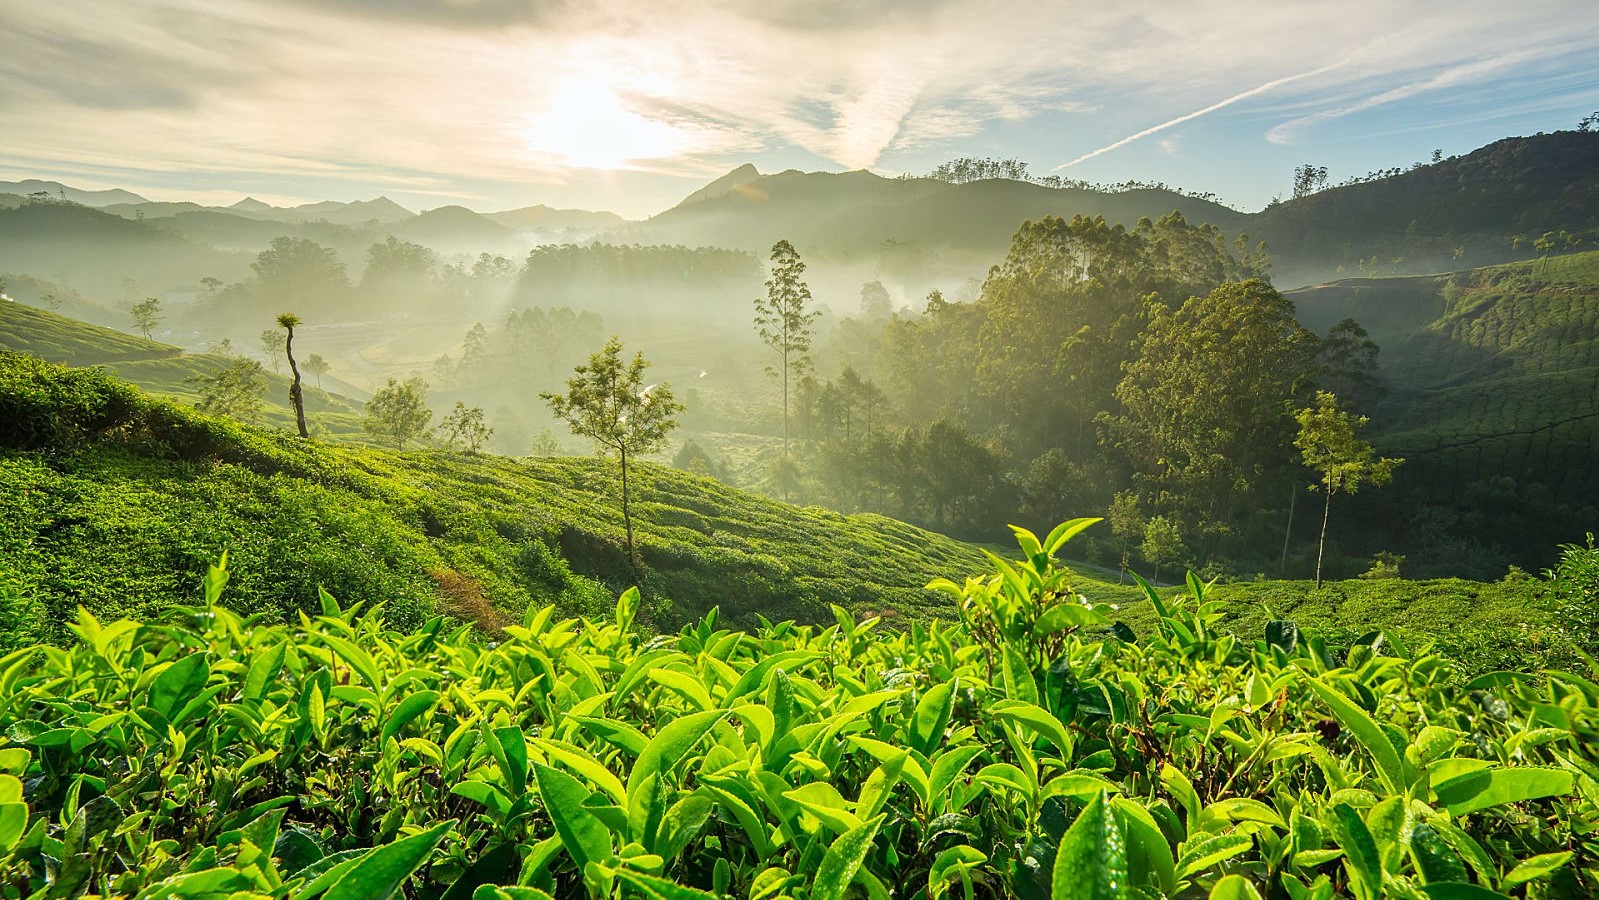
{"points": [[1027, 750]]}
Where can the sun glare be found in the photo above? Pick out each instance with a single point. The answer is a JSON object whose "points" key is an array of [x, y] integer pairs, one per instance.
{"points": [[587, 124]]}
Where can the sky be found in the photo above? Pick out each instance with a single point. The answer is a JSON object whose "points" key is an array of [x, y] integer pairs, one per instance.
{"points": [[629, 105]]}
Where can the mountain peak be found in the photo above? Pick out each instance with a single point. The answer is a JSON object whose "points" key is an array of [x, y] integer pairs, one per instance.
{"points": [[250, 204], [732, 181]]}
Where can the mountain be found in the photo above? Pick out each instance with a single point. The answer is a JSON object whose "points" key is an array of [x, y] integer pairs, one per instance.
{"points": [[151, 210], [543, 218], [1493, 389], [732, 181], [360, 212], [853, 213], [456, 229], [251, 205], [58, 191], [104, 255]]}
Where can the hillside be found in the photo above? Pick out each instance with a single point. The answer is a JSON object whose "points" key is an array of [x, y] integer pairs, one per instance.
{"points": [[158, 368], [104, 254], [117, 501], [62, 340], [1433, 218], [1493, 378]]}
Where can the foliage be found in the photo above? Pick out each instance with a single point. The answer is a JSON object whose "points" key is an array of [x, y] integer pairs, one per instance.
{"points": [[1162, 543], [608, 402], [1203, 421], [1329, 442], [1027, 750], [146, 315], [235, 390], [1308, 179], [398, 412], [463, 427], [784, 320], [1575, 583], [317, 366]]}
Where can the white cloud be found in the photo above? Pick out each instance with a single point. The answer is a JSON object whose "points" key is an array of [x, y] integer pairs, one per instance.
{"points": [[448, 92]]}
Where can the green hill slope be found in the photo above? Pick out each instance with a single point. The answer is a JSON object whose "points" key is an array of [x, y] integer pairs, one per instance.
{"points": [[115, 500], [159, 368], [1494, 388], [1458, 212]]}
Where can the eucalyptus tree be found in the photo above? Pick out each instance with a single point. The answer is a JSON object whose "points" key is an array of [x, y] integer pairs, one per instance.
{"points": [[785, 321]]}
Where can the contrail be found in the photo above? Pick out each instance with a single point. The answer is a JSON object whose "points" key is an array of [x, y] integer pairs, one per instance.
{"points": [[1261, 89]]}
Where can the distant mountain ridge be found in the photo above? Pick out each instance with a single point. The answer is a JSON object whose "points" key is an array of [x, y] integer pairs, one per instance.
{"points": [[59, 191], [1482, 208]]}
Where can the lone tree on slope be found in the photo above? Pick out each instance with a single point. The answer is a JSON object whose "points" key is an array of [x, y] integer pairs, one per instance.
{"points": [[1329, 441], [607, 401], [287, 321]]}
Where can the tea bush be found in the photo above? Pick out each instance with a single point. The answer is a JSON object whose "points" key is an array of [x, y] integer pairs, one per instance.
{"points": [[1034, 748]]}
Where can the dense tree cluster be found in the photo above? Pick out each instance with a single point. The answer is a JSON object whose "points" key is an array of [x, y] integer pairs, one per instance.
{"points": [[1152, 370]]}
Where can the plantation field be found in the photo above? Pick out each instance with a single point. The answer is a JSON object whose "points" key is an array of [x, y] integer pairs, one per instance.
{"points": [[122, 500], [1021, 752], [1492, 372]]}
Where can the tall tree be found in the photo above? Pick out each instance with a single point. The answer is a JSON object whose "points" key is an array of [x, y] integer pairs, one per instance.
{"points": [[1204, 424], [1308, 179], [876, 304], [287, 321], [146, 315], [784, 320], [398, 412], [299, 271], [1329, 441], [608, 402]]}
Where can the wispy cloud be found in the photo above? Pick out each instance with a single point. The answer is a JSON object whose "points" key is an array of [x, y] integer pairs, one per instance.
{"points": [[1453, 76], [1189, 117]]}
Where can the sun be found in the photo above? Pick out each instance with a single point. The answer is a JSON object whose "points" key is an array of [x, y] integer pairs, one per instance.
{"points": [[585, 123]]}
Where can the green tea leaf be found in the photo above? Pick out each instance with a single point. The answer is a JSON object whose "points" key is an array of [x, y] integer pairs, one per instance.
{"points": [[842, 860], [1091, 863], [381, 873], [584, 836], [1486, 788]]}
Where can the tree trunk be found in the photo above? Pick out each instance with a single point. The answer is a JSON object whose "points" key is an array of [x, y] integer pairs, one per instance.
{"points": [[1293, 498], [1321, 545], [785, 407], [296, 394], [627, 518]]}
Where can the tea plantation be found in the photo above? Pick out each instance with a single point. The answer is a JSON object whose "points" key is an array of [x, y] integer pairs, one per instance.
{"points": [[410, 675], [1020, 751]]}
